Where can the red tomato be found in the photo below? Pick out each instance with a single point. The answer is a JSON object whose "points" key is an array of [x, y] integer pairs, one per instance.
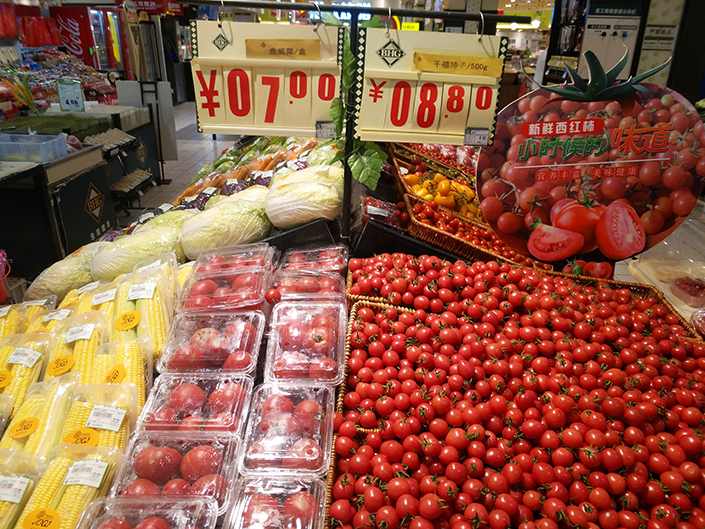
{"points": [[157, 463], [187, 358], [176, 487], [324, 320], [262, 510], [199, 462], [301, 506], [201, 337], [241, 335], [141, 487], [580, 219], [620, 233], [115, 523], [186, 399], [602, 270], [191, 423], [549, 243], [210, 485], [226, 397], [153, 523], [237, 361], [222, 422], [323, 368], [199, 302], [272, 296], [275, 405], [322, 340], [205, 288], [163, 419]]}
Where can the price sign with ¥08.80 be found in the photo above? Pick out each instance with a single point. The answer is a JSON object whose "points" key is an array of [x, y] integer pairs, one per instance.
{"points": [[264, 79], [430, 87]]}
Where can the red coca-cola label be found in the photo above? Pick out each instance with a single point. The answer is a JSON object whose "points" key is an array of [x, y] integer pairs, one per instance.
{"points": [[75, 31]]}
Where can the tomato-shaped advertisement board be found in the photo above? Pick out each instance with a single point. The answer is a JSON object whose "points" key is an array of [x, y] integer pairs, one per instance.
{"points": [[598, 173]]}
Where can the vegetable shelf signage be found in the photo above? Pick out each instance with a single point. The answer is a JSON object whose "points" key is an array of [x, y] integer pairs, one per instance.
{"points": [[594, 169], [430, 87], [264, 79]]}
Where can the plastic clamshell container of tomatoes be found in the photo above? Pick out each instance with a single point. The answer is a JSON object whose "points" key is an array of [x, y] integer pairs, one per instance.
{"points": [[184, 463], [308, 285], [208, 402], [307, 342], [289, 431], [330, 258], [150, 513], [240, 288], [270, 503], [242, 256], [226, 341]]}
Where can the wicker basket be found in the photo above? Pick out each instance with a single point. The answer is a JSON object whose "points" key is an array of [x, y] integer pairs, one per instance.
{"points": [[434, 163]]}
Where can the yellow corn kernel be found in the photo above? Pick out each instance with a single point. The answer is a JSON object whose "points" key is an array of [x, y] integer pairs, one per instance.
{"points": [[85, 304], [28, 409], [156, 328], [50, 414], [71, 299], [74, 499], [121, 305], [83, 353], [46, 489], [60, 349], [10, 323], [184, 272], [102, 364], [31, 312], [78, 415], [129, 355]]}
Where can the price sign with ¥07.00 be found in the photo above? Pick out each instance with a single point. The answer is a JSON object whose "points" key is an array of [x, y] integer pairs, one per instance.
{"points": [[430, 87], [264, 79]]}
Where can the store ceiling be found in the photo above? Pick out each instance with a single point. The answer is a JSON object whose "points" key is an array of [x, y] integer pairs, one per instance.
{"points": [[525, 5]]}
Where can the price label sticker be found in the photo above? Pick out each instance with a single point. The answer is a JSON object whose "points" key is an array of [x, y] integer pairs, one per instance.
{"points": [[106, 417], [80, 332], [83, 436], [42, 518], [115, 375], [25, 356], [70, 94], [141, 291], [60, 365], [5, 378], [145, 217], [88, 472], [4, 311], [36, 303], [59, 315], [103, 297], [373, 210], [24, 428], [128, 320], [12, 488], [210, 190], [89, 286], [477, 136], [325, 130], [188, 200]]}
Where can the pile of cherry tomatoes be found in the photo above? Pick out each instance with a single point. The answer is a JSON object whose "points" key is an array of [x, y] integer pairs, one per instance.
{"points": [[510, 398]]}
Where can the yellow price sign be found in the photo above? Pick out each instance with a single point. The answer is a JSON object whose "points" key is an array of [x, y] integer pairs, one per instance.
{"points": [[5, 378], [83, 436], [115, 375], [128, 320], [458, 64], [60, 365], [24, 428], [43, 518]]}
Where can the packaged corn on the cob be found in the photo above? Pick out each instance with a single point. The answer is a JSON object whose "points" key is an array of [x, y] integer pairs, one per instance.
{"points": [[128, 361], [5, 411], [74, 297], [141, 308], [101, 415], [47, 320], [101, 298], [36, 427], [75, 476], [12, 319], [76, 340], [37, 305], [169, 263], [19, 473], [21, 361], [184, 272]]}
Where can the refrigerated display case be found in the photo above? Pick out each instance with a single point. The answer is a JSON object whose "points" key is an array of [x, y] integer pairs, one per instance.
{"points": [[109, 34]]}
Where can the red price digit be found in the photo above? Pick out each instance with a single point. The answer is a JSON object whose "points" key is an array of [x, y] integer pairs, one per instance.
{"points": [[427, 108], [326, 87], [273, 84], [401, 101], [483, 98], [298, 85], [456, 99], [239, 93]]}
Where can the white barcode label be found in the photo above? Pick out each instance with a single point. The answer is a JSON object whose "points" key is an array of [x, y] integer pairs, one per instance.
{"points": [[108, 295], [150, 266], [58, 315], [80, 332], [232, 181], [4, 311], [25, 356], [106, 417], [88, 472], [89, 286], [188, 200], [209, 190], [373, 210], [141, 291], [36, 303], [12, 488]]}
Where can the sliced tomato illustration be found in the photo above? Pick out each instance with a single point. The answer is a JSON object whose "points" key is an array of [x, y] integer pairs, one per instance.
{"points": [[549, 243], [619, 232]]}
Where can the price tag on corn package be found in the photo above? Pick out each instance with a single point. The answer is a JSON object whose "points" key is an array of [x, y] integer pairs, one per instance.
{"points": [[264, 79], [430, 87]]}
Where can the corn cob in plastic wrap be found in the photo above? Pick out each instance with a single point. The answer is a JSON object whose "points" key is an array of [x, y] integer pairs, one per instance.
{"points": [[76, 340], [19, 473], [21, 361], [76, 475], [101, 298], [36, 427], [127, 361], [142, 308], [47, 320], [102, 415], [169, 263], [12, 319], [74, 297], [36, 306], [184, 271], [5, 411]]}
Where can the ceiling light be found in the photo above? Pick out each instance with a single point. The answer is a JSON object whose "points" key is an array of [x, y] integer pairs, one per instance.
{"points": [[535, 23], [513, 26]]}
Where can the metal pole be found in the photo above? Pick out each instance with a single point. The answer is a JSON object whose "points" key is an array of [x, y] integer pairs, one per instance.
{"points": [[349, 133]]}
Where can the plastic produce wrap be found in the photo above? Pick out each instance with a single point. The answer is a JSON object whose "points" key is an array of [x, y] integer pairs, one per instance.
{"points": [[226, 342], [47, 320], [697, 320], [150, 513], [170, 265], [208, 401], [37, 305], [385, 212], [120, 257], [316, 173], [230, 223], [289, 431], [214, 201], [322, 154], [254, 193], [303, 285], [19, 473], [290, 205], [129, 362], [171, 219], [12, 318], [171, 463], [101, 415], [101, 298], [330, 258], [61, 278], [74, 297], [142, 308], [5, 411], [184, 272], [75, 476], [36, 427], [21, 360], [76, 340]]}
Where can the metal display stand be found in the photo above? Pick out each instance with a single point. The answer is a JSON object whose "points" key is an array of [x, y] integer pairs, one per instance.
{"points": [[353, 93]]}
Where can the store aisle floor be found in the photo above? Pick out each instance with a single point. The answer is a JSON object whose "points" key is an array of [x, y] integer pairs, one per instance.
{"points": [[194, 148]]}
